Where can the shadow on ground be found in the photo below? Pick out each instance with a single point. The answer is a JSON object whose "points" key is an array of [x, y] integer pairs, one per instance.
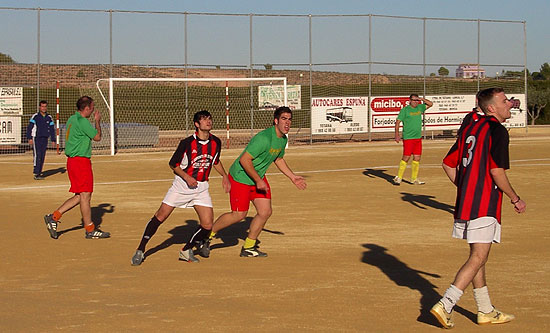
{"points": [[405, 276], [380, 173], [422, 201], [97, 217], [231, 235], [52, 172], [180, 235]]}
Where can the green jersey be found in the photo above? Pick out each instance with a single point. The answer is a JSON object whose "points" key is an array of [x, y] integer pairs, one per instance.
{"points": [[412, 121], [78, 139], [265, 147]]}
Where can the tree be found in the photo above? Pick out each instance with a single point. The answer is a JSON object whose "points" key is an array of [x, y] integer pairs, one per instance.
{"points": [[6, 59], [514, 74], [442, 71], [543, 74], [268, 67], [545, 71], [538, 99]]}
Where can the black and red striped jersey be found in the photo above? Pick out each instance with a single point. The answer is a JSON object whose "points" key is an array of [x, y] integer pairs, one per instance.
{"points": [[472, 116], [481, 146], [196, 157]]}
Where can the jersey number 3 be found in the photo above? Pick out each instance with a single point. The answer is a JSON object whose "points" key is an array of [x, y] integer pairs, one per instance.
{"points": [[471, 143]]}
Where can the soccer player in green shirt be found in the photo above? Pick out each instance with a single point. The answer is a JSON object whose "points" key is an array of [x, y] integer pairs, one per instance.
{"points": [[411, 116], [249, 183], [78, 148]]}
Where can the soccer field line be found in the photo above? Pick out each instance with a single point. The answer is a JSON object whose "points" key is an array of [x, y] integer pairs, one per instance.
{"points": [[39, 187]]}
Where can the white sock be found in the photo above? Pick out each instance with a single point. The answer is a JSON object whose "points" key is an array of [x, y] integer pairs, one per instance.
{"points": [[481, 295], [451, 297]]}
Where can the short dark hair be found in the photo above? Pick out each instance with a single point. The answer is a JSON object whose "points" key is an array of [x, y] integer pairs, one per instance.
{"points": [[83, 102], [485, 97], [199, 115], [413, 95], [280, 110], [43, 102]]}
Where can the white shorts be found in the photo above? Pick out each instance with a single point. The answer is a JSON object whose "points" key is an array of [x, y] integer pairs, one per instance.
{"points": [[188, 197], [484, 229]]}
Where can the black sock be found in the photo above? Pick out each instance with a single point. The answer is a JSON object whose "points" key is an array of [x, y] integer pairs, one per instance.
{"points": [[150, 230], [199, 235]]}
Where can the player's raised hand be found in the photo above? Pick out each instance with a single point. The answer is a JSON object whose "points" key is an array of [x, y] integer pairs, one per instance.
{"points": [[300, 182], [97, 115]]}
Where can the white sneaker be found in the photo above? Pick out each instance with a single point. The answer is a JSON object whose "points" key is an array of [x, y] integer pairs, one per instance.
{"points": [[418, 182], [494, 317], [397, 180], [187, 255], [442, 316]]}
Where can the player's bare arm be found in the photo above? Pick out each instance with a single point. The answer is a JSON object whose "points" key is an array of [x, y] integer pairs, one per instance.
{"points": [[298, 181], [501, 180], [225, 179], [451, 172], [246, 163], [428, 103], [397, 123]]}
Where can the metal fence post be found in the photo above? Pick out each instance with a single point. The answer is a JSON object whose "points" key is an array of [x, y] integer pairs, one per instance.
{"points": [[110, 43], [369, 115], [251, 76], [424, 71], [478, 51], [525, 73], [310, 79], [38, 58], [185, 72]]}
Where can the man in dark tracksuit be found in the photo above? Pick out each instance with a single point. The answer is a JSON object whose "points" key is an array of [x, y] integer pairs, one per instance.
{"points": [[39, 129]]}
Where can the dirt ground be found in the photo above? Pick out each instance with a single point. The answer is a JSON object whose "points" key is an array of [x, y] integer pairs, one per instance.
{"points": [[352, 253]]}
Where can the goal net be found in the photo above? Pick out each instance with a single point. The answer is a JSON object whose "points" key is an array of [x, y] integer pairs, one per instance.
{"points": [[156, 113]]}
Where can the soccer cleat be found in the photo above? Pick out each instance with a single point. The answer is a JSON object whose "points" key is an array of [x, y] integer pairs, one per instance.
{"points": [[187, 255], [51, 224], [96, 234], [138, 257], [397, 180], [252, 252], [494, 317], [418, 182], [204, 248], [442, 316]]}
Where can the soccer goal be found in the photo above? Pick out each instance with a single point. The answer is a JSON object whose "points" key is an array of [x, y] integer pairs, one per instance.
{"points": [[158, 112]]}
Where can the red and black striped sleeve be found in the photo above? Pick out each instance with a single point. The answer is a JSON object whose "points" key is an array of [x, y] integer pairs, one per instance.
{"points": [[178, 155]]}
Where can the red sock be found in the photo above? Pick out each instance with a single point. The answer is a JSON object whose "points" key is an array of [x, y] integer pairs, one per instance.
{"points": [[56, 215], [90, 227]]}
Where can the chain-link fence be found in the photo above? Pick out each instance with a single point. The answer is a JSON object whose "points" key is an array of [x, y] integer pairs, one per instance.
{"points": [[348, 74]]}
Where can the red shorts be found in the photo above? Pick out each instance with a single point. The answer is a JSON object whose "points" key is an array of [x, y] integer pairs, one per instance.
{"points": [[80, 174], [412, 147], [241, 194]]}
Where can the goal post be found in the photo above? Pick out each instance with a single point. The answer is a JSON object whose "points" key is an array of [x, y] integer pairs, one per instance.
{"points": [[143, 104]]}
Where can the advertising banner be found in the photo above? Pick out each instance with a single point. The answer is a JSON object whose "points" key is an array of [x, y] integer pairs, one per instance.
{"points": [[339, 115], [272, 96], [11, 101], [10, 130], [446, 113], [11, 105]]}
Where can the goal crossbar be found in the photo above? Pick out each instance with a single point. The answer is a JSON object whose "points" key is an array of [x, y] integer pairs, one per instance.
{"points": [[110, 103]]}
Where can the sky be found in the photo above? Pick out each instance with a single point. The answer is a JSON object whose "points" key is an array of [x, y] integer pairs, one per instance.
{"points": [[506, 48]]}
